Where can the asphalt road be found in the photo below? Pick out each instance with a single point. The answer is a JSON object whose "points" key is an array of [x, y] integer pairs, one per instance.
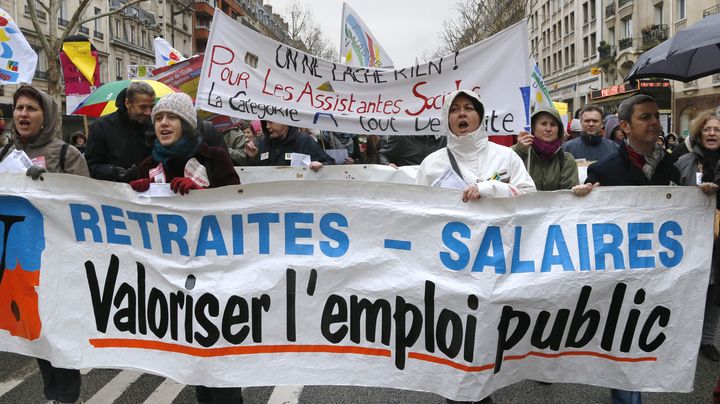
{"points": [[20, 383]]}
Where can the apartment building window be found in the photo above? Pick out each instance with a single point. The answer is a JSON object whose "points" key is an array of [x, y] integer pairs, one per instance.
{"points": [[96, 24], [559, 25], [119, 69], [560, 61], [585, 47], [118, 29], [132, 34], [567, 56], [592, 10], [103, 72], [681, 10], [593, 44], [626, 26], [143, 38], [585, 13], [572, 22], [572, 54], [611, 36], [658, 12]]}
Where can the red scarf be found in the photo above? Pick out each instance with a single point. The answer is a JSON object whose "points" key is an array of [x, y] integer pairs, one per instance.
{"points": [[635, 157], [545, 150]]}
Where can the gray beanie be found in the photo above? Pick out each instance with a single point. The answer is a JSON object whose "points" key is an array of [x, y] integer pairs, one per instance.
{"points": [[179, 104]]}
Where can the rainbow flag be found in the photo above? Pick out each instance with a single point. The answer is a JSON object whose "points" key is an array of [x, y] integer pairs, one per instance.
{"points": [[358, 45]]}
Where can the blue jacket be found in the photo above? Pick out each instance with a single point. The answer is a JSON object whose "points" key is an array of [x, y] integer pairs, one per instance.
{"points": [[582, 149]]}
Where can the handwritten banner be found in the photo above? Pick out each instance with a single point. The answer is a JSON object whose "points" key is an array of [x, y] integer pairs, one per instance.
{"points": [[388, 285], [250, 76]]}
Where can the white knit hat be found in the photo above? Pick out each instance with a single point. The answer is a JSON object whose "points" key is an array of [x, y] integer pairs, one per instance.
{"points": [[179, 104]]}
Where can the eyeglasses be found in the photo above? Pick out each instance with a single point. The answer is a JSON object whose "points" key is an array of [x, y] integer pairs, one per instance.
{"points": [[711, 129]]}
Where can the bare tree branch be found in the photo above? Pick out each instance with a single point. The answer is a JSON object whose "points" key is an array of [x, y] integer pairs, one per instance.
{"points": [[302, 28], [478, 20]]}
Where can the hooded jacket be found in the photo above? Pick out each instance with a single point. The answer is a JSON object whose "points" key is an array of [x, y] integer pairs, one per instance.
{"points": [[496, 170], [47, 146], [557, 172], [117, 141]]}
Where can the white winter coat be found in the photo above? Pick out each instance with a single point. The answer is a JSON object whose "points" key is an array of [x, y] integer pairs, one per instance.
{"points": [[479, 160]]}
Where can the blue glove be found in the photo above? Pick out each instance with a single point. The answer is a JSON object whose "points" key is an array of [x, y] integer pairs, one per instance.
{"points": [[34, 172]]}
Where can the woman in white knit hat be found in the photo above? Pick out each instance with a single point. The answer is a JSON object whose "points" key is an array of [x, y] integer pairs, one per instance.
{"points": [[179, 156]]}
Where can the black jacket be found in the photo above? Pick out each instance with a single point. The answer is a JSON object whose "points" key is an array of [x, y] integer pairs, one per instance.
{"points": [[117, 141], [409, 150], [272, 152], [617, 169]]}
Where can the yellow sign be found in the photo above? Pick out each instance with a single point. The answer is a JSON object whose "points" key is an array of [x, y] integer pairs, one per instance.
{"points": [[80, 54], [595, 71]]}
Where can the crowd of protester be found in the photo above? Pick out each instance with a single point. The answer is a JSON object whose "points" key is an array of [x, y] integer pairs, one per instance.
{"points": [[149, 141]]}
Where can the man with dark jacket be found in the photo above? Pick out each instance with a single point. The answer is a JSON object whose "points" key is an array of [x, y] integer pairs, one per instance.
{"points": [[278, 143], [590, 145], [640, 161], [118, 142], [398, 151]]}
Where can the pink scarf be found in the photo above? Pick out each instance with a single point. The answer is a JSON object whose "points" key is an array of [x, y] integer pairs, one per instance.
{"points": [[545, 150]]}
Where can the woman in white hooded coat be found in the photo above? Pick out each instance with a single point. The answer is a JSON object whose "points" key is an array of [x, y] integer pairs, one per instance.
{"points": [[488, 169]]}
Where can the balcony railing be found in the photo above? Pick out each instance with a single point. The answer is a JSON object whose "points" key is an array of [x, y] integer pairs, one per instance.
{"points": [[606, 55], [716, 78], [610, 10], [680, 24], [63, 22], [98, 35], [40, 14], [690, 84], [625, 43], [41, 75], [654, 34], [712, 10], [623, 2], [84, 30]]}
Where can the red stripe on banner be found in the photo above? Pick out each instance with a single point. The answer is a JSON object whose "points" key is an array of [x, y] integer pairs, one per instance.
{"points": [[482, 368], [446, 362], [234, 350], [580, 353]]}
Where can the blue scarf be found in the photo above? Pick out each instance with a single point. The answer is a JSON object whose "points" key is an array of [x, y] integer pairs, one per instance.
{"points": [[183, 148]]}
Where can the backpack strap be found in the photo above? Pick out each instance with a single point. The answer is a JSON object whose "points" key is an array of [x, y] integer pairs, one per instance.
{"points": [[63, 153], [5, 149], [454, 163]]}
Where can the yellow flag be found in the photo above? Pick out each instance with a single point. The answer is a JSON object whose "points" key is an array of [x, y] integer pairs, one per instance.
{"points": [[81, 56]]}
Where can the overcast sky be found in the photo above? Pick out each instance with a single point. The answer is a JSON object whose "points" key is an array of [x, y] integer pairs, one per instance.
{"points": [[404, 28]]}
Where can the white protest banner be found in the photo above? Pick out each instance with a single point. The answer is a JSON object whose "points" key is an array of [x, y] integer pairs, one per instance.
{"points": [[250, 76], [365, 172], [373, 284]]}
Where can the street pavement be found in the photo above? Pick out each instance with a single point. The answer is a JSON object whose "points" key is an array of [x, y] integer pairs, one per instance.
{"points": [[20, 383]]}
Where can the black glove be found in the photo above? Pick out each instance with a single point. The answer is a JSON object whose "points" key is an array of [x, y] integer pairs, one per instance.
{"points": [[123, 175], [35, 171]]}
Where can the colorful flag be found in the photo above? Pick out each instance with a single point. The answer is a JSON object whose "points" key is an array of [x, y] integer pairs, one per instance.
{"points": [[165, 54], [359, 45], [18, 60], [539, 95]]}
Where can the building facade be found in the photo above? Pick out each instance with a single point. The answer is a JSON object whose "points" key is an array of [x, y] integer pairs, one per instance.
{"points": [[563, 40], [585, 49]]}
